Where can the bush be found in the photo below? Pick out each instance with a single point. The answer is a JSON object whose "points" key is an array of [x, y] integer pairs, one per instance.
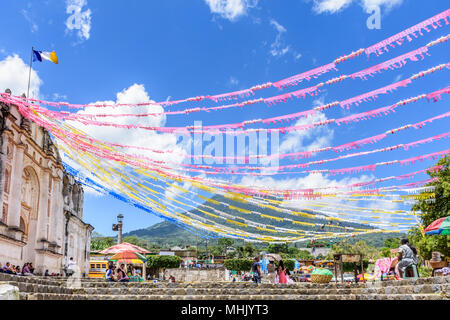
{"points": [[163, 262], [238, 264], [427, 244], [425, 272], [385, 252]]}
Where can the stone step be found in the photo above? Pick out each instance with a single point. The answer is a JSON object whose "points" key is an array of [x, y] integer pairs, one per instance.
{"points": [[55, 296], [40, 288], [230, 285], [418, 289], [436, 288]]}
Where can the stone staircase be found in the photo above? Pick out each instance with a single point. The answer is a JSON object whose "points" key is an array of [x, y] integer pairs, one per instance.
{"points": [[39, 288]]}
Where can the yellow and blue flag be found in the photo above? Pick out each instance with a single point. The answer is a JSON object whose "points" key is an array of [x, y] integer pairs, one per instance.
{"points": [[44, 55]]}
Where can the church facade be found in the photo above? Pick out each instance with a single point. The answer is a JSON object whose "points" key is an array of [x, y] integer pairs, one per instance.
{"points": [[41, 205]]}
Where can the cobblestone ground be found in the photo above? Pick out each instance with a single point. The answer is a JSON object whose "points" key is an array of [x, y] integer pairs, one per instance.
{"points": [[39, 288]]}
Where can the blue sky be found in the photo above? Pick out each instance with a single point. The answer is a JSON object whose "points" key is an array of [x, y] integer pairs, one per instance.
{"points": [[176, 49]]}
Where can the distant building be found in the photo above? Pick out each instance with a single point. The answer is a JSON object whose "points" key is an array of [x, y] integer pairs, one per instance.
{"points": [[42, 205], [177, 251], [318, 251]]}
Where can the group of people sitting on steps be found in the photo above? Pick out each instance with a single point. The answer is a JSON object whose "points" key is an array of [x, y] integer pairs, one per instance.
{"points": [[122, 274], [26, 270]]}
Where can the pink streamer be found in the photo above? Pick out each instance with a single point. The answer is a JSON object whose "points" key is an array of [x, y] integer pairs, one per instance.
{"points": [[437, 94], [292, 81], [356, 144], [435, 155], [390, 64], [232, 95], [374, 94], [400, 37]]}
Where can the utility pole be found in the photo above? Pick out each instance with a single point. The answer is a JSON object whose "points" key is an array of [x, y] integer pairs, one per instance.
{"points": [[118, 227]]}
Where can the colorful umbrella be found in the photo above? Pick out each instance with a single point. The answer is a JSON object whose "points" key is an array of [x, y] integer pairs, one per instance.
{"points": [[439, 226], [128, 257]]}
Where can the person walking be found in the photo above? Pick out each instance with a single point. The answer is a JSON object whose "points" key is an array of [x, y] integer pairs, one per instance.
{"points": [[70, 267], [281, 272], [256, 269]]}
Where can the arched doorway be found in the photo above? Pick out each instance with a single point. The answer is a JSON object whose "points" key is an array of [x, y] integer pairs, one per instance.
{"points": [[29, 212]]}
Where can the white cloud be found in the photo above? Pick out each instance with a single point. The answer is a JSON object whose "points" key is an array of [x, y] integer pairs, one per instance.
{"points": [[232, 81], [307, 140], [78, 20], [34, 27], [398, 77], [278, 48], [59, 97], [277, 26], [330, 6], [231, 9], [14, 75], [335, 6], [134, 137]]}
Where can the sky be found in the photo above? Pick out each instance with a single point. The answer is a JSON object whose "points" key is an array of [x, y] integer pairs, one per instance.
{"points": [[135, 51]]}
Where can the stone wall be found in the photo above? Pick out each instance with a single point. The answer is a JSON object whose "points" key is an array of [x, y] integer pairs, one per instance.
{"points": [[195, 275]]}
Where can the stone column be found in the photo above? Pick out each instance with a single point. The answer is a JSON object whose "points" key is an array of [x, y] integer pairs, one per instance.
{"points": [[80, 202], [59, 214], [3, 151], [14, 206], [53, 205], [43, 205], [58, 221]]}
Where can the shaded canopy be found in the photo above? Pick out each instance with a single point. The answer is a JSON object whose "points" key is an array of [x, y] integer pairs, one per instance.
{"points": [[123, 247]]}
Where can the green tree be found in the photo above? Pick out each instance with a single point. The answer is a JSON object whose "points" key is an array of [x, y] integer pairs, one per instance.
{"points": [[278, 248], [304, 255], [385, 252], [441, 207], [392, 243], [360, 247], [431, 211], [223, 244], [101, 243], [238, 264], [163, 262], [136, 241], [288, 264]]}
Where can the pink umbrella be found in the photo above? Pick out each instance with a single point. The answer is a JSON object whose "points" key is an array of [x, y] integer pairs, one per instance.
{"points": [[125, 246]]}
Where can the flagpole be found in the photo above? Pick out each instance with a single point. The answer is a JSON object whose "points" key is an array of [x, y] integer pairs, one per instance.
{"points": [[29, 73]]}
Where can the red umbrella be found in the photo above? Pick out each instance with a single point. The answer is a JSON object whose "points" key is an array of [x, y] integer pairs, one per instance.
{"points": [[125, 246]]}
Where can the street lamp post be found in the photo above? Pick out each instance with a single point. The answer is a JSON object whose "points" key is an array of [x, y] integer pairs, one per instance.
{"points": [[118, 227]]}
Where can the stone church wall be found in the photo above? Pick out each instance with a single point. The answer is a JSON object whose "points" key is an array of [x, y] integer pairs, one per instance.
{"points": [[41, 206]]}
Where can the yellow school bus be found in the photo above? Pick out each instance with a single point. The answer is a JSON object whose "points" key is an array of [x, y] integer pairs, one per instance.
{"points": [[97, 268]]}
